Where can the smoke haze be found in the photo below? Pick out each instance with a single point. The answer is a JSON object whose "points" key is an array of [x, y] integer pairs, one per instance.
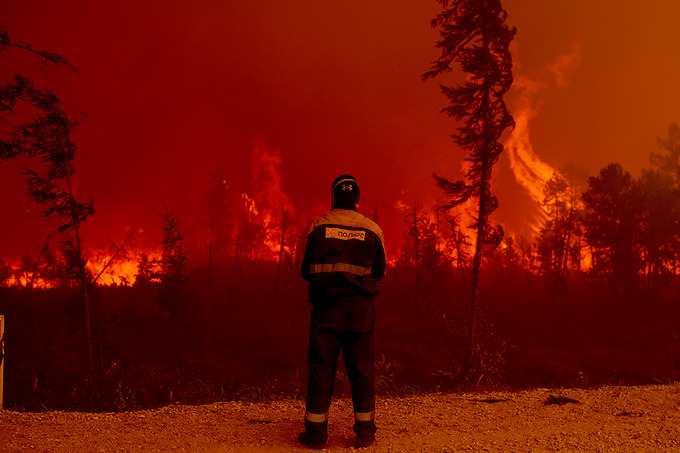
{"points": [[175, 89]]}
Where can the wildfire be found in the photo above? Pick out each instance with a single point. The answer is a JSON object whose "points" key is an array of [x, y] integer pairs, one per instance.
{"points": [[116, 270], [530, 171], [269, 207]]}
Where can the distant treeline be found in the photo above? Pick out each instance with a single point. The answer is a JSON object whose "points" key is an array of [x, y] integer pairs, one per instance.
{"points": [[612, 227]]}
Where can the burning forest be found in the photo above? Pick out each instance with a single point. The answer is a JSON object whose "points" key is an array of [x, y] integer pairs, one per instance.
{"points": [[175, 280]]}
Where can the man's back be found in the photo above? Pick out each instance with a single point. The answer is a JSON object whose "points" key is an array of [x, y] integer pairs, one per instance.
{"points": [[344, 256]]}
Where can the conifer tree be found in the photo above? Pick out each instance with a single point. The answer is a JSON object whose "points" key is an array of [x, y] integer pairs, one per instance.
{"points": [[474, 35], [173, 296], [47, 137]]}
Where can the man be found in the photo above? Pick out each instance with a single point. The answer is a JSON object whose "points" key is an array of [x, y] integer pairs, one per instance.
{"points": [[342, 256]]}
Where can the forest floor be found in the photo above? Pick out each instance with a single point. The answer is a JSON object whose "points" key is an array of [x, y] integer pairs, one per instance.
{"points": [[604, 419]]}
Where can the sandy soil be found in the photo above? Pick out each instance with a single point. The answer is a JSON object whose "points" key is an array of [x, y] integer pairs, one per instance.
{"points": [[607, 419]]}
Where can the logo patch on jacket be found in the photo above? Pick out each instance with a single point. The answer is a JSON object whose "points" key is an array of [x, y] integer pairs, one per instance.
{"points": [[339, 233]]}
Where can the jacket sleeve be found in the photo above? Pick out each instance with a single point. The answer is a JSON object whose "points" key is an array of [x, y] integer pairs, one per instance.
{"points": [[301, 260], [379, 265]]}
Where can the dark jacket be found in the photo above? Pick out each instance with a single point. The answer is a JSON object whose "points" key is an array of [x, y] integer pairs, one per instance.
{"points": [[341, 256]]}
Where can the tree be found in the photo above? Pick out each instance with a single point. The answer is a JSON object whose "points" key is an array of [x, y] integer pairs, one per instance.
{"points": [[219, 203], [669, 161], [5, 273], [146, 270], [559, 240], [457, 244], [611, 222], [174, 258], [172, 296], [44, 55], [474, 34], [421, 249], [526, 254], [47, 136], [660, 224]]}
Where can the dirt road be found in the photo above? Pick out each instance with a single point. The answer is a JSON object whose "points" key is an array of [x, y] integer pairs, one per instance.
{"points": [[608, 419]]}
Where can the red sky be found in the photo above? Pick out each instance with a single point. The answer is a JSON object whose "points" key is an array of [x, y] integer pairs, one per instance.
{"points": [[173, 89]]}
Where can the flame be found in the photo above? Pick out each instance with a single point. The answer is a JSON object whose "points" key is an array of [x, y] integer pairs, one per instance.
{"points": [[265, 211], [266, 166], [116, 271], [249, 205], [529, 170], [269, 206]]}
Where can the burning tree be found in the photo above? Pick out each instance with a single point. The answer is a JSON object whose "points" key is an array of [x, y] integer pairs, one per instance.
{"points": [[474, 34]]}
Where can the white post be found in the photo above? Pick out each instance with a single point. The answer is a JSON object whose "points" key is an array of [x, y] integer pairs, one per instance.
{"points": [[2, 356]]}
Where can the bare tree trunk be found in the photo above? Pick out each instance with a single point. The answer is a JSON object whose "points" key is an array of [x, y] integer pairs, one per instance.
{"points": [[283, 240], [93, 344], [476, 270], [118, 250], [210, 266], [233, 267], [416, 260], [35, 268], [2, 359]]}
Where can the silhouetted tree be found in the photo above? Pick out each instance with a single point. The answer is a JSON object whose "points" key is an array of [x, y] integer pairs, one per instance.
{"points": [[527, 255], [457, 244], [421, 247], [53, 270], [669, 161], [146, 270], [659, 223], [508, 254], [252, 236], [421, 250], [219, 204], [558, 242], [48, 137], [611, 222], [5, 273], [174, 259], [25, 269], [474, 34], [287, 241], [45, 56], [173, 296]]}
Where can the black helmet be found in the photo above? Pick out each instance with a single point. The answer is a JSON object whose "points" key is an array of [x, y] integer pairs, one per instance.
{"points": [[345, 189]]}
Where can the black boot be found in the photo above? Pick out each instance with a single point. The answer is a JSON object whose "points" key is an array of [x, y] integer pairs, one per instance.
{"points": [[315, 435], [365, 432]]}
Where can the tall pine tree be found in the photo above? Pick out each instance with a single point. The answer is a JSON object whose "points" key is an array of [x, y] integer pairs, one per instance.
{"points": [[475, 36]]}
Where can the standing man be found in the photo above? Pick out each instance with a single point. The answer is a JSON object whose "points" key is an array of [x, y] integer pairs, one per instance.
{"points": [[342, 256]]}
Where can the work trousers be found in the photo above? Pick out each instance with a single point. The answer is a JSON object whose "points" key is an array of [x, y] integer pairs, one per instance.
{"points": [[347, 327]]}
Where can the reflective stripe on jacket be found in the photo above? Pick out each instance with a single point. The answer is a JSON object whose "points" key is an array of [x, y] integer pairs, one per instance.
{"points": [[341, 256]]}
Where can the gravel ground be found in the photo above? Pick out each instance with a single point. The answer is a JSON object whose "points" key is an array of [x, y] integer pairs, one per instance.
{"points": [[606, 419]]}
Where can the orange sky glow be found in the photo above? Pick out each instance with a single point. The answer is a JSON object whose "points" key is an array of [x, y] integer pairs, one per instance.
{"points": [[173, 89]]}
